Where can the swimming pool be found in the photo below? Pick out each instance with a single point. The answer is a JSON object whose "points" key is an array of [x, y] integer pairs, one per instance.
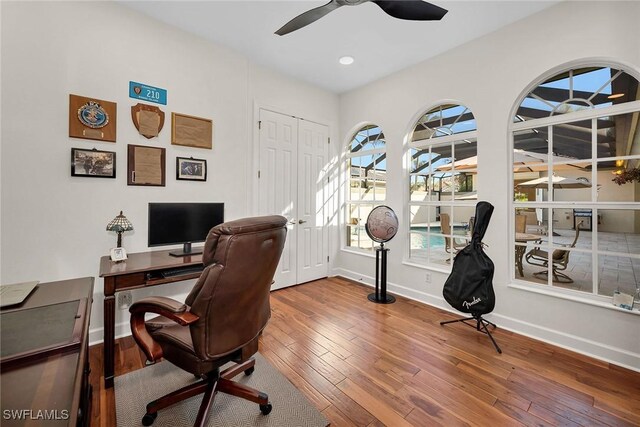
{"points": [[421, 240]]}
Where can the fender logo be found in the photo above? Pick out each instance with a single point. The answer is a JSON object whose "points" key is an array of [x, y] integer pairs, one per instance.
{"points": [[468, 304]]}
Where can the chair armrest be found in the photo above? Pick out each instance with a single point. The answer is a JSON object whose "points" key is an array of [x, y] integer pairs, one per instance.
{"points": [[163, 306], [167, 307]]}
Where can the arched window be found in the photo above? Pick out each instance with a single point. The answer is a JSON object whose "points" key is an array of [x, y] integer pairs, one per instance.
{"points": [[366, 189], [576, 209], [443, 160]]}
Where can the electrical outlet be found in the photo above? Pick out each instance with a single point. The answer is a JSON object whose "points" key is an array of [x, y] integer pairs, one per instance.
{"points": [[125, 299], [427, 278]]}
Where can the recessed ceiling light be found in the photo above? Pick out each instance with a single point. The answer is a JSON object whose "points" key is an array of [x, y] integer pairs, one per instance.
{"points": [[615, 96], [346, 60]]}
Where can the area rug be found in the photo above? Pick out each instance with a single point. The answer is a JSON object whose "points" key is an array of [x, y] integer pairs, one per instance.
{"points": [[290, 408]]}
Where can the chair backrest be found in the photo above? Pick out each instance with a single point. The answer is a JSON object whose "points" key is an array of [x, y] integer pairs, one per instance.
{"points": [[445, 228], [575, 240], [445, 223], [231, 297], [561, 256], [521, 223]]}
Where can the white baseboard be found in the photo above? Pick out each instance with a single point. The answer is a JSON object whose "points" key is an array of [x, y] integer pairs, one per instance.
{"points": [[617, 356], [434, 300], [96, 336]]}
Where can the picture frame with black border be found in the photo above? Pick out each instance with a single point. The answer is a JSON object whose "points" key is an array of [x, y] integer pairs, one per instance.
{"points": [[92, 163], [190, 169]]}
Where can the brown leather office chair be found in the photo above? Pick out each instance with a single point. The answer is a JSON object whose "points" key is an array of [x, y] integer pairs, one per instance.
{"points": [[559, 260], [222, 317]]}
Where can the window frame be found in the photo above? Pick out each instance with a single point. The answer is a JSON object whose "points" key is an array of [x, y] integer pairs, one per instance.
{"points": [[433, 141], [592, 113], [348, 155]]}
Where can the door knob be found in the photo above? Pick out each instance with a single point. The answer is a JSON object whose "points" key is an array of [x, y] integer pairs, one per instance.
{"points": [[302, 221], [292, 222]]}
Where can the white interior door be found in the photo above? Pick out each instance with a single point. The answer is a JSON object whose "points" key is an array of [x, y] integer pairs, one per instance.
{"points": [[312, 234], [278, 189], [292, 183]]}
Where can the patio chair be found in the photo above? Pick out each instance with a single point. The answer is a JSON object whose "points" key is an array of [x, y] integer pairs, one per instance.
{"points": [[521, 223], [559, 260], [451, 244]]}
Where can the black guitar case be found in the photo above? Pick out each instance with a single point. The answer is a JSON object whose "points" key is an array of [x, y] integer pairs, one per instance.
{"points": [[469, 287]]}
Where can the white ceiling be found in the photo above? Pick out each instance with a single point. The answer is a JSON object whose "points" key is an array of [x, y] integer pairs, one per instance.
{"points": [[380, 43]]}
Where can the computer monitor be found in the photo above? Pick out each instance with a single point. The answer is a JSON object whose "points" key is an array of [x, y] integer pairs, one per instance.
{"points": [[186, 223]]}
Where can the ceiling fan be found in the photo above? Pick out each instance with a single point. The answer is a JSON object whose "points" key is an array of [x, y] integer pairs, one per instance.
{"points": [[415, 10]]}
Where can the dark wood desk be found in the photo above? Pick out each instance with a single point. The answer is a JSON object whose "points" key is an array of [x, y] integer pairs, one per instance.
{"points": [[51, 382], [138, 271]]}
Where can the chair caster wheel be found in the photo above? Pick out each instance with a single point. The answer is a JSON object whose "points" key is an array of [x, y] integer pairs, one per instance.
{"points": [[266, 409], [148, 419], [250, 370]]}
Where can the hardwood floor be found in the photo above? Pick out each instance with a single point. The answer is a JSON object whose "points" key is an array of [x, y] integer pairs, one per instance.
{"points": [[365, 364]]}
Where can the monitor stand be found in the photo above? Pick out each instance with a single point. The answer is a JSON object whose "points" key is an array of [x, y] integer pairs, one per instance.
{"points": [[187, 250]]}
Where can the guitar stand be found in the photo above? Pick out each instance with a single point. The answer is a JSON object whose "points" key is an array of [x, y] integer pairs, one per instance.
{"points": [[481, 322]]}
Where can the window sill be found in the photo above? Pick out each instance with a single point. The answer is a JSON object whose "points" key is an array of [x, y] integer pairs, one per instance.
{"points": [[574, 298]]}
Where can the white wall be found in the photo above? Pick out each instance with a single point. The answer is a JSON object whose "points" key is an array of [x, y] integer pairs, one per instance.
{"points": [[488, 75], [53, 225]]}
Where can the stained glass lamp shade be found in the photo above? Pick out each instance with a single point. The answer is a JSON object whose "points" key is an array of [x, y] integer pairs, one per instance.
{"points": [[120, 224]]}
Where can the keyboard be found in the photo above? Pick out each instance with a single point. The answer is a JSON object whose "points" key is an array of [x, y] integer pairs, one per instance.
{"points": [[182, 271]]}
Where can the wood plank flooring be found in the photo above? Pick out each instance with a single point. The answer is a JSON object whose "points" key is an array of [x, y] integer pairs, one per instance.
{"points": [[364, 364]]}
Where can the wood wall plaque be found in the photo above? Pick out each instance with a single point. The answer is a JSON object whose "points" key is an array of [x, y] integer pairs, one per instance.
{"points": [[145, 165], [148, 119], [92, 118], [191, 131]]}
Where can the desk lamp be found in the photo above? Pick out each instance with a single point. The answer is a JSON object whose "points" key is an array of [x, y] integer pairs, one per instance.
{"points": [[120, 224]]}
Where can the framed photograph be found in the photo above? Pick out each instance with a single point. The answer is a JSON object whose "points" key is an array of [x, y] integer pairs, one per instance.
{"points": [[191, 131], [92, 118], [191, 169], [118, 254], [145, 165], [93, 163]]}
